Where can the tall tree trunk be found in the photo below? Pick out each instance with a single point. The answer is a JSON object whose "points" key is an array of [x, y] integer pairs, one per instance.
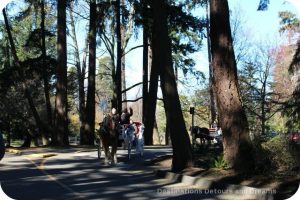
{"points": [[213, 110], [123, 63], [61, 101], [88, 137], [45, 75], [233, 120], [81, 69], [119, 58], [151, 103], [167, 134], [263, 117], [162, 59], [27, 139], [145, 69], [25, 89], [145, 73]]}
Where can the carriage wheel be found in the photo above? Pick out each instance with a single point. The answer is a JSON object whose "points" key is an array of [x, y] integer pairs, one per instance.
{"points": [[99, 148]]}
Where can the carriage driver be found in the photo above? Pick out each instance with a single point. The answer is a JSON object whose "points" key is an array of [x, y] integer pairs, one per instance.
{"points": [[115, 115], [125, 116]]}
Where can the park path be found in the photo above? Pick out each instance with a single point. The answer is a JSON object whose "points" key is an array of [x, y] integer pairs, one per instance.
{"points": [[76, 173]]}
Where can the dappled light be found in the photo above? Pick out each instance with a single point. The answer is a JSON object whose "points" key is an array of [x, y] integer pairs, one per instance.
{"points": [[149, 99]]}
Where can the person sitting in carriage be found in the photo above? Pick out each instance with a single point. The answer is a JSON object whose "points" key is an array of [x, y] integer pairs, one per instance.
{"points": [[125, 116], [115, 116]]}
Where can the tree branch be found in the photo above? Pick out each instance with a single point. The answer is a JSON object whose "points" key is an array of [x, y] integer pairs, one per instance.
{"points": [[133, 48]]}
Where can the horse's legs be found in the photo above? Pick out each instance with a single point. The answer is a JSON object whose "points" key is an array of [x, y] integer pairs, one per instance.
{"points": [[114, 152], [202, 140], [106, 150]]}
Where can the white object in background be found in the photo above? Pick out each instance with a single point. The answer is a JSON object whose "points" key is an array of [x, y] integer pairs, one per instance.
{"points": [[3, 196], [296, 3], [3, 3], [296, 196]]}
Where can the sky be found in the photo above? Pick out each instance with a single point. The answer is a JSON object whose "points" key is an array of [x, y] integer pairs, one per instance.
{"points": [[262, 25]]}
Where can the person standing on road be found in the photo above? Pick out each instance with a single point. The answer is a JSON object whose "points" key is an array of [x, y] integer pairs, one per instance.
{"points": [[2, 146]]}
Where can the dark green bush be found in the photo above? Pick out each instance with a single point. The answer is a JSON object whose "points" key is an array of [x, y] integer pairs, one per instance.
{"points": [[279, 154]]}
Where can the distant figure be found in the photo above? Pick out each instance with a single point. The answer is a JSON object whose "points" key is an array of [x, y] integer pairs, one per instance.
{"points": [[139, 138], [219, 131], [125, 116], [202, 133], [115, 116], [2, 146], [214, 124]]}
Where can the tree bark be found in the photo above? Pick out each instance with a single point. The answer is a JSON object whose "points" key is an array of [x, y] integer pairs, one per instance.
{"points": [[145, 74], [149, 131], [45, 75], [151, 104], [237, 144], [162, 59], [213, 109], [88, 137], [119, 58], [61, 101], [123, 61]]}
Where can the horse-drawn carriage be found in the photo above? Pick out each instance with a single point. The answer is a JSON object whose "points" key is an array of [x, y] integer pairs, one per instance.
{"points": [[111, 133], [206, 135]]}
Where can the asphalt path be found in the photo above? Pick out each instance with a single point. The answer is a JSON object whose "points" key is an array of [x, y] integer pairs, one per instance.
{"points": [[78, 174]]}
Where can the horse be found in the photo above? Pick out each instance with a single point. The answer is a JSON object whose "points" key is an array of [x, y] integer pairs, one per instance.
{"points": [[109, 134], [202, 133]]}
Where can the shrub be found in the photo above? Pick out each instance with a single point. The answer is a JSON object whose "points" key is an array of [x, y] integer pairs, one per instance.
{"points": [[219, 163], [280, 154]]}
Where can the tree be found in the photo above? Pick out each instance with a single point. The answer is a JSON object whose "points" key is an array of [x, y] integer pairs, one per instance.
{"points": [[236, 141], [80, 70], [20, 74], [162, 59], [213, 107], [44, 66], [118, 76], [61, 101], [290, 25], [145, 59], [88, 137], [185, 33], [257, 89]]}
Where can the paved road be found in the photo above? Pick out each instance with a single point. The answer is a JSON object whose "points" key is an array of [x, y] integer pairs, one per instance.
{"points": [[73, 174], [64, 174]]}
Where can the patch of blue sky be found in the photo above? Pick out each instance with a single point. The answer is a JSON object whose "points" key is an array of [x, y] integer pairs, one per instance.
{"points": [[262, 25]]}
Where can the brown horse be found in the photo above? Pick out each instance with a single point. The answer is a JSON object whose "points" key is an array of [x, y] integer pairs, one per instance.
{"points": [[109, 133]]}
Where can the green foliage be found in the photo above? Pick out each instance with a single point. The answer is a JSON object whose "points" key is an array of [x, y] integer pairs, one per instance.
{"points": [[220, 163], [280, 154], [104, 83], [201, 102], [25, 23], [186, 33]]}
